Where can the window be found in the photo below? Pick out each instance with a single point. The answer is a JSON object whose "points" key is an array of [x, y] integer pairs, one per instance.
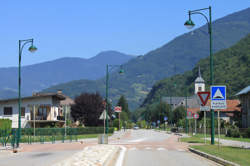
{"points": [[7, 111], [199, 89], [23, 111]]}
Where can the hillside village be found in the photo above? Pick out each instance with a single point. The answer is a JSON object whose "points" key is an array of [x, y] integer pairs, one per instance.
{"points": [[190, 95]]}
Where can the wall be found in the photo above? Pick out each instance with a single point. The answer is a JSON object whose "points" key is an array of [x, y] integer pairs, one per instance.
{"points": [[25, 103]]}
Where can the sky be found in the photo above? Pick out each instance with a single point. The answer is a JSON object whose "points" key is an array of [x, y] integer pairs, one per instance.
{"points": [[84, 28]]}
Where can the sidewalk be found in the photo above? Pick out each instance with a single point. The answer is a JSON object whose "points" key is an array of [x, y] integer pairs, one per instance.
{"points": [[234, 143], [97, 155]]}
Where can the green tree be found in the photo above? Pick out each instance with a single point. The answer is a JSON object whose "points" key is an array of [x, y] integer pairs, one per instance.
{"points": [[178, 114], [87, 109], [122, 102]]}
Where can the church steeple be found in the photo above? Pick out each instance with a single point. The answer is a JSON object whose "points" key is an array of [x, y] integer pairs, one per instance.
{"points": [[199, 83]]}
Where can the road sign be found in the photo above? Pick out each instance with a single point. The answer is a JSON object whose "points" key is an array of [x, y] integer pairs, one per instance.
{"points": [[158, 121], [218, 97], [204, 108], [103, 115], [204, 96], [118, 109], [196, 116], [189, 115], [165, 118]]}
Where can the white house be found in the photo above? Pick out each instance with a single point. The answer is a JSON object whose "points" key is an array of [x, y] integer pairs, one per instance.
{"points": [[46, 105]]}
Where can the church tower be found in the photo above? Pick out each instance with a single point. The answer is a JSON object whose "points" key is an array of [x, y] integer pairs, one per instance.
{"points": [[199, 83]]}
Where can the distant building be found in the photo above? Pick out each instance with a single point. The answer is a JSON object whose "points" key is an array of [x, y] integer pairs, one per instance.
{"points": [[193, 101], [199, 84], [40, 109], [244, 96]]}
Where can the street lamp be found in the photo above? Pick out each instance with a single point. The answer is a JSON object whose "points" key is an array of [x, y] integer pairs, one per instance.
{"points": [[190, 24], [108, 69], [32, 48]]}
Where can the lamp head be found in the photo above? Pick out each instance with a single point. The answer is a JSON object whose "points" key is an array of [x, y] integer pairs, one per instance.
{"points": [[189, 24], [121, 71], [32, 48]]}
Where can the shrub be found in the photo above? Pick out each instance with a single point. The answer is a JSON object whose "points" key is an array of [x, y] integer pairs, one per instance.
{"points": [[246, 134], [233, 132], [5, 124], [174, 129]]}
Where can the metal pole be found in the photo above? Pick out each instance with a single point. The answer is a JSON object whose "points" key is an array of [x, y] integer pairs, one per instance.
{"points": [[65, 119], [218, 128], [205, 127], [119, 120], [211, 72], [107, 79], [19, 95], [34, 116], [195, 127], [186, 115]]}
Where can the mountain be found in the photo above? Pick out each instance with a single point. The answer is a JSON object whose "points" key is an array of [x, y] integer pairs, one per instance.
{"points": [[43, 75], [175, 57], [231, 68]]}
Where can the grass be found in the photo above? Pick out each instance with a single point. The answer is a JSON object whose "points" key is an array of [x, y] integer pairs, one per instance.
{"points": [[233, 154], [235, 139], [199, 138]]}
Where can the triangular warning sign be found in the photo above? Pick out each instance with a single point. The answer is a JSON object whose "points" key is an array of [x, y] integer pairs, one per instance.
{"points": [[218, 94], [204, 96]]}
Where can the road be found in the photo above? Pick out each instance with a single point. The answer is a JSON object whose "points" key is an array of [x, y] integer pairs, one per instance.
{"points": [[152, 148]]}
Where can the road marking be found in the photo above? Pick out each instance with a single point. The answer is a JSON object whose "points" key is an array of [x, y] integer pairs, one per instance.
{"points": [[181, 150], [148, 148], [161, 149], [120, 159], [134, 148]]}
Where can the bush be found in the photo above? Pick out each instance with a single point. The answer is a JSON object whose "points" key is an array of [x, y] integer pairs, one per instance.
{"points": [[5, 124], [233, 132], [174, 129], [246, 134]]}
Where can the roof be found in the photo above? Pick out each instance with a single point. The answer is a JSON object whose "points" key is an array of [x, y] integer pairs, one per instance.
{"points": [[38, 95], [173, 100], [244, 91], [232, 105], [199, 79]]}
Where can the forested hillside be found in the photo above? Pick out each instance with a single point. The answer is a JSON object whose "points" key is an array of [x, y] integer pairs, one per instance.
{"points": [[231, 68]]}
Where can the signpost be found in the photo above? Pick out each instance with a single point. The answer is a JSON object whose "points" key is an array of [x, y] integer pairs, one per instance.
{"points": [[218, 101], [165, 119], [196, 116], [218, 97], [103, 117], [118, 109], [204, 96]]}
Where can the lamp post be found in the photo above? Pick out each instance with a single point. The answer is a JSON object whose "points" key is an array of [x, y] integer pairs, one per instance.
{"points": [[32, 48], [190, 24], [108, 69]]}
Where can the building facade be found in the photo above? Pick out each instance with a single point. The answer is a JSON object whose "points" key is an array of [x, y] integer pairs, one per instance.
{"points": [[244, 96], [38, 110]]}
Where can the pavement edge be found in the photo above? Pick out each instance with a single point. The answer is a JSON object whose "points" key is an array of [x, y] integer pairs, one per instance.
{"points": [[111, 161], [213, 158]]}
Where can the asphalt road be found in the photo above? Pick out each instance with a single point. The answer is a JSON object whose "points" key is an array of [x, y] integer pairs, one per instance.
{"points": [[151, 148], [35, 158]]}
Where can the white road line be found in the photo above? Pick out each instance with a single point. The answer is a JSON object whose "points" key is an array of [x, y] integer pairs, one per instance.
{"points": [[148, 148], [161, 149], [181, 150], [120, 159], [134, 148]]}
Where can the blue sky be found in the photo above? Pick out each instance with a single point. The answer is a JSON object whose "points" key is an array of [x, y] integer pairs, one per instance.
{"points": [[83, 28]]}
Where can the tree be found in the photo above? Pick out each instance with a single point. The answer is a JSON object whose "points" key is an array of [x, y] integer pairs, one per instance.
{"points": [[178, 114], [87, 109], [122, 102]]}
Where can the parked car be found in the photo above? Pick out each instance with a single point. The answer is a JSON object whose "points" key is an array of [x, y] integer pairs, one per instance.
{"points": [[136, 128]]}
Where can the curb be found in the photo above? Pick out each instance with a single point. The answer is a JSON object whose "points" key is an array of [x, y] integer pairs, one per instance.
{"points": [[111, 160], [213, 158]]}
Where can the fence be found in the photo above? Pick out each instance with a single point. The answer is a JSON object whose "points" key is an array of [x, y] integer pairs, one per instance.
{"points": [[29, 135]]}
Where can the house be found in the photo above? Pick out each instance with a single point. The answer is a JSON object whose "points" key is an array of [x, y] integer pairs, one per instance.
{"points": [[38, 110], [233, 109], [244, 96]]}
